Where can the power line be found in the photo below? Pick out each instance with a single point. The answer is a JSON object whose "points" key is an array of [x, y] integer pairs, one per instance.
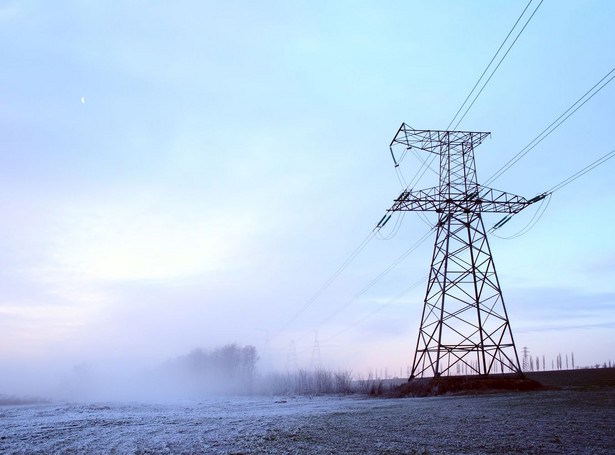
{"points": [[372, 283], [487, 67], [395, 229], [400, 177], [378, 309], [498, 65], [583, 171], [427, 163], [553, 126], [330, 280], [422, 160], [533, 221], [424, 167], [492, 60], [379, 277], [541, 211], [347, 262]]}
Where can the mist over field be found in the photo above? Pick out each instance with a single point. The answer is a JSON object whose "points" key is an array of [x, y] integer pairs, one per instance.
{"points": [[177, 175], [224, 371], [190, 254], [560, 422]]}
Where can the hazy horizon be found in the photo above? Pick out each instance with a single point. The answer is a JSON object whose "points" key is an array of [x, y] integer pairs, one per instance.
{"points": [[187, 175]]}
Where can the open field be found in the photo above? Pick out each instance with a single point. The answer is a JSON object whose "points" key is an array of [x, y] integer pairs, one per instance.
{"points": [[567, 421], [587, 377]]}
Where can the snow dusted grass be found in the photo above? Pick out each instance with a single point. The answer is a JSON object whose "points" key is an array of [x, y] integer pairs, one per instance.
{"points": [[557, 421]]}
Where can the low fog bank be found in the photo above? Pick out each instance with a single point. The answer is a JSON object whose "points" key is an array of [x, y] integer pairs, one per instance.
{"points": [[202, 373], [230, 370]]}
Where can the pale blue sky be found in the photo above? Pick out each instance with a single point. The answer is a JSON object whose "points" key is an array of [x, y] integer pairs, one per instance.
{"points": [[230, 156]]}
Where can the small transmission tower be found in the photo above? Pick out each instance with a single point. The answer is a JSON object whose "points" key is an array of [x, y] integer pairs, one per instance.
{"points": [[316, 362], [464, 321]]}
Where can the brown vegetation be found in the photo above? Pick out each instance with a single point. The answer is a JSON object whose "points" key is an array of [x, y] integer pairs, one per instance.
{"points": [[463, 385], [472, 385]]}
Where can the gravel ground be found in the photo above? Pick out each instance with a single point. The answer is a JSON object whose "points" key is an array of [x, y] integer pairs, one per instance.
{"points": [[557, 421]]}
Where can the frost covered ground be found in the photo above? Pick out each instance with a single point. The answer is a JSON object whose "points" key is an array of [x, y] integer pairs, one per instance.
{"points": [[558, 421]]}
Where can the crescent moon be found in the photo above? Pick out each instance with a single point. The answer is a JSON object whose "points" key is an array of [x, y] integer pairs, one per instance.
{"points": [[83, 100]]}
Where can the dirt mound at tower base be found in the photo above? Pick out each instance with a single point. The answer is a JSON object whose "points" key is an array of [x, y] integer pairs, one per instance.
{"points": [[465, 385]]}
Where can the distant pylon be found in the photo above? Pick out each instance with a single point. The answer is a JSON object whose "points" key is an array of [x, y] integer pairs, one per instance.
{"points": [[316, 362], [464, 320]]}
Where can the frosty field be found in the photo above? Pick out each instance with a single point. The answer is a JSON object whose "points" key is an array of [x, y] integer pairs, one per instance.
{"points": [[556, 421]]}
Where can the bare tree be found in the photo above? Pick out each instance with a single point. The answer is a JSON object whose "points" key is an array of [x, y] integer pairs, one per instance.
{"points": [[366, 383], [323, 381], [343, 381]]}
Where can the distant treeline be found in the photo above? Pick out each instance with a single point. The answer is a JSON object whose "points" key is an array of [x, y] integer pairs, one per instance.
{"points": [[12, 400], [306, 382], [227, 369]]}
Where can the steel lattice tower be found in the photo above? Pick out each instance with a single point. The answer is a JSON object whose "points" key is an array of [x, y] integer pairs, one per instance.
{"points": [[464, 326]]}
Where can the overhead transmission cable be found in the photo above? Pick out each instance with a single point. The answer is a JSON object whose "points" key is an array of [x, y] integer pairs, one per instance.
{"points": [[487, 67], [421, 170], [400, 177], [583, 171], [395, 230], [543, 207], [379, 277], [378, 309], [554, 125], [425, 165], [331, 278], [428, 162], [499, 63]]}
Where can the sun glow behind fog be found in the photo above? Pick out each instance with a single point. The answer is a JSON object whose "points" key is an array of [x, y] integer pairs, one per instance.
{"points": [[116, 244], [98, 254], [216, 176]]}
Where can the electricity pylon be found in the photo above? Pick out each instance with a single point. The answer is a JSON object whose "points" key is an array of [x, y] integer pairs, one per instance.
{"points": [[316, 362], [464, 320]]}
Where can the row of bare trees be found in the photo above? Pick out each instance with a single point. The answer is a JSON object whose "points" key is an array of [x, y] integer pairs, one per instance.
{"points": [[534, 364], [227, 369], [231, 369], [306, 382]]}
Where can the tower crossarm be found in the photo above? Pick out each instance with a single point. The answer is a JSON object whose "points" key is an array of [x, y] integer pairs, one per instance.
{"points": [[434, 140], [480, 199]]}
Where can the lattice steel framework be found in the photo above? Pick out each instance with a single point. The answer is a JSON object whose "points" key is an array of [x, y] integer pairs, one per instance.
{"points": [[464, 326]]}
